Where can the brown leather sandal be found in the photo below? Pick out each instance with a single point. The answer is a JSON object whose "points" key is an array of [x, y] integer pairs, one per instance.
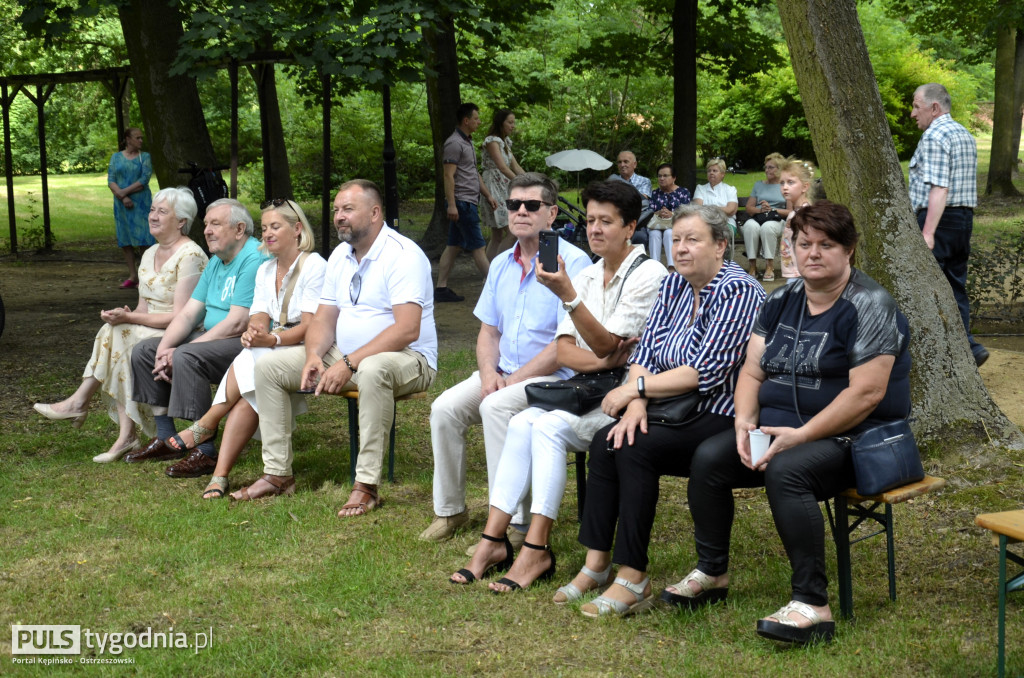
{"points": [[281, 485], [371, 501]]}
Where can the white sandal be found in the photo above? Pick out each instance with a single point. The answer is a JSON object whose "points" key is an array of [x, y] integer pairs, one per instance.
{"points": [[603, 606], [708, 594], [787, 631], [572, 593]]}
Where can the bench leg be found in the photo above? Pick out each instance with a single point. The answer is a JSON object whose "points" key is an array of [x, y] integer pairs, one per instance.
{"points": [[581, 483], [841, 535], [890, 552], [353, 437], [353, 440], [1001, 657]]}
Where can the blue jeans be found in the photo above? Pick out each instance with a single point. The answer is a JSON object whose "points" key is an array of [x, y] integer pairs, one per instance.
{"points": [[465, 232], [952, 249]]}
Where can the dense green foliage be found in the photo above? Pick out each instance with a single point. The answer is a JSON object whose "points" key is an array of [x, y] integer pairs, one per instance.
{"points": [[569, 74]]}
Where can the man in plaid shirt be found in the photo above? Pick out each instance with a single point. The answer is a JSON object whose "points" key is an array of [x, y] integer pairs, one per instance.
{"points": [[944, 192]]}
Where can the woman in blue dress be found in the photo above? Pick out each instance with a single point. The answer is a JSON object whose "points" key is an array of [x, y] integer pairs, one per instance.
{"points": [[128, 179]]}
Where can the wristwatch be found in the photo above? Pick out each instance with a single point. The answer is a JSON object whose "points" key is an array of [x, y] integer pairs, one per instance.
{"points": [[570, 306], [640, 387]]}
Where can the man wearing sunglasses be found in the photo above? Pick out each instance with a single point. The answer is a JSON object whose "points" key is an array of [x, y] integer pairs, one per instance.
{"points": [[373, 329], [172, 374], [462, 189], [515, 347]]}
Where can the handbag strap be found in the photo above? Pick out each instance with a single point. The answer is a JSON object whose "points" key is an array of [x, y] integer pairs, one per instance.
{"points": [[796, 354], [632, 267], [291, 288]]}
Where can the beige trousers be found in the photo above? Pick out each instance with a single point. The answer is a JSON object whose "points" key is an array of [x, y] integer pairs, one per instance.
{"points": [[380, 379]]}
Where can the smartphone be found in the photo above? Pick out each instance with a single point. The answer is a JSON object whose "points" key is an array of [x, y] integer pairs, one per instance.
{"points": [[549, 251]]}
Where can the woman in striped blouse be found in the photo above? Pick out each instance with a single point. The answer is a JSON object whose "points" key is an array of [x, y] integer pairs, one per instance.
{"points": [[696, 339]]}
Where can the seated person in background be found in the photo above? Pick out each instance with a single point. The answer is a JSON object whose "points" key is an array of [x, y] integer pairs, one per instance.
{"points": [[717, 192], [287, 290], [767, 210], [518, 317], [797, 177], [168, 273], [851, 342], [373, 330], [664, 201], [626, 163], [607, 305], [695, 340], [172, 375]]}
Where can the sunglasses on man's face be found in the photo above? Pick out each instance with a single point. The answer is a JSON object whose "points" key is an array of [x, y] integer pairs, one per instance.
{"points": [[531, 205]]}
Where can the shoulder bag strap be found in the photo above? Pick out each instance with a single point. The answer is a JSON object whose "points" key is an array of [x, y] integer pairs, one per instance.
{"points": [[291, 288]]}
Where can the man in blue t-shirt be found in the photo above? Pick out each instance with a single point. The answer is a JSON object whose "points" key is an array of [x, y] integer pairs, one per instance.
{"points": [[173, 373]]}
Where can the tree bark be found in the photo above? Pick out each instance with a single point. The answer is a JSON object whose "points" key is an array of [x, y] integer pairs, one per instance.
{"points": [[1003, 159], [441, 71], [858, 160], [1018, 98], [171, 111], [684, 121], [277, 173]]}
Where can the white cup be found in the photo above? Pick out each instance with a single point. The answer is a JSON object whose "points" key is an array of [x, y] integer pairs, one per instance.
{"points": [[759, 442]]}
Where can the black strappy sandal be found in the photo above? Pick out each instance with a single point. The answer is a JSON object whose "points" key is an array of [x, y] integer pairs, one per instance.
{"points": [[544, 576], [501, 566]]}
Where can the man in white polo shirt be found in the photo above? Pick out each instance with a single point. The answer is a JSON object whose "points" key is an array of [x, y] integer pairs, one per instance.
{"points": [[373, 329], [515, 347]]}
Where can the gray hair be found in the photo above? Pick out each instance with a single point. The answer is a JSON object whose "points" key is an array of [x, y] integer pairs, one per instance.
{"points": [[713, 217], [934, 93], [238, 213], [548, 187], [179, 199]]}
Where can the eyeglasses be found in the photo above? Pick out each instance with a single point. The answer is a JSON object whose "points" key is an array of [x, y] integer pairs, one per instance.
{"points": [[531, 205], [276, 202], [354, 287]]}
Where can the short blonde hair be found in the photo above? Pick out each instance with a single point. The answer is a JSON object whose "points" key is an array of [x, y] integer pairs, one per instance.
{"points": [[292, 214], [777, 157], [719, 162]]}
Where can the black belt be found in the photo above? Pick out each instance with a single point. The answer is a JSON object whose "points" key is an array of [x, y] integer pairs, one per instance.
{"points": [[950, 208]]}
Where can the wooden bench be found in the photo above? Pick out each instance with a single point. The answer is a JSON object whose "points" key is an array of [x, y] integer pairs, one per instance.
{"points": [[848, 504], [353, 430], [1008, 528]]}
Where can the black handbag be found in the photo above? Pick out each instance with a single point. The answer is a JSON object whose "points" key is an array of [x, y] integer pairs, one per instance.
{"points": [[579, 394], [674, 410], [884, 456], [762, 217]]}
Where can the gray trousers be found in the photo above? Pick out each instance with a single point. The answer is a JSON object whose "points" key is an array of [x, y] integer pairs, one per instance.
{"points": [[197, 365]]}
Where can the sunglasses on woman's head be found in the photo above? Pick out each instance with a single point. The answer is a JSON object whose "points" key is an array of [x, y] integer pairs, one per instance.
{"points": [[531, 205], [275, 202]]}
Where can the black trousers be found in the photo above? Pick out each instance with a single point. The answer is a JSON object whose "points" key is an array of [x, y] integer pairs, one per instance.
{"points": [[795, 480], [622, 489]]}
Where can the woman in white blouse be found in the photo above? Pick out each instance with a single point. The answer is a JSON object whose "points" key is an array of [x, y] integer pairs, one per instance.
{"points": [[606, 309], [285, 299], [718, 193]]}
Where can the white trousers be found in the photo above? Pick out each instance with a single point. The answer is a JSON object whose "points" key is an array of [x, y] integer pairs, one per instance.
{"points": [[534, 461], [452, 413], [766, 234], [659, 240]]}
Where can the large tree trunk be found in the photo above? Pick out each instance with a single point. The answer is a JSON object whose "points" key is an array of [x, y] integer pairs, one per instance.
{"points": [[684, 121], [441, 70], [1018, 98], [277, 176], [1003, 159], [858, 161], [171, 111]]}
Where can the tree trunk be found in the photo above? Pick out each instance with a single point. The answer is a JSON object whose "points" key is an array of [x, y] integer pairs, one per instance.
{"points": [[441, 70], [1003, 159], [858, 161], [1018, 98], [684, 120], [277, 174], [171, 111]]}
